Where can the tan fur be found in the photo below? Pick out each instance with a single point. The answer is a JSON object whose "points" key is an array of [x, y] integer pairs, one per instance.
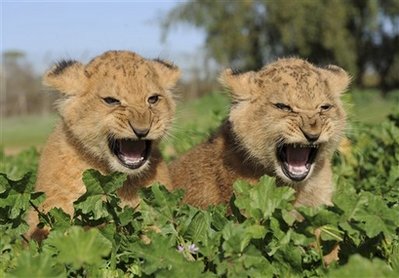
{"points": [[80, 140], [245, 146]]}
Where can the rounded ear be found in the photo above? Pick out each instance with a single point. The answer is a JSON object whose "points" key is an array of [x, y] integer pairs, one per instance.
{"points": [[66, 76], [337, 79], [167, 72], [239, 84]]}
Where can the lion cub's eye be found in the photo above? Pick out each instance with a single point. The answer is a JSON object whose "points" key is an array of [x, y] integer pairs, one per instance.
{"points": [[111, 101], [325, 107], [153, 99], [283, 107]]}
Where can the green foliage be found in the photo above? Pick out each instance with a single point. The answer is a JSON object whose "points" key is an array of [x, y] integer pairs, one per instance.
{"points": [[196, 120], [258, 238], [17, 166]]}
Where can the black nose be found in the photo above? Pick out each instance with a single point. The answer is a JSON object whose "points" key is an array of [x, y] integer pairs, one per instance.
{"points": [[140, 133], [311, 137]]}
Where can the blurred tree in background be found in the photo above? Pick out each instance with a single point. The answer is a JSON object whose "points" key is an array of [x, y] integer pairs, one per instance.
{"points": [[360, 35], [21, 90]]}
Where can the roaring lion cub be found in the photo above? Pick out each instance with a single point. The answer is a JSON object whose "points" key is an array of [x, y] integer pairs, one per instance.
{"points": [[286, 120], [114, 111]]}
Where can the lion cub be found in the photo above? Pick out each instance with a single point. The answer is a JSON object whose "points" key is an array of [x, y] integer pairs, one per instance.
{"points": [[286, 120], [114, 111]]}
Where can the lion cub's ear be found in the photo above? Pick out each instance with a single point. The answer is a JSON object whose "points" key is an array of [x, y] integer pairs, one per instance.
{"points": [[337, 79], [239, 84], [167, 72], [66, 76]]}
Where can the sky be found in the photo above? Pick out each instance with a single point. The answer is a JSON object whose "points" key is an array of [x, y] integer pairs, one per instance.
{"points": [[48, 31]]}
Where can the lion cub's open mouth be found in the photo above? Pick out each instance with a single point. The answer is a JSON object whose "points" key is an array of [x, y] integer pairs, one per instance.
{"points": [[296, 159], [131, 153]]}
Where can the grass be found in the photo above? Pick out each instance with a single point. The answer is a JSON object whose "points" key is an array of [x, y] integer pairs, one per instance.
{"points": [[194, 120], [21, 132]]}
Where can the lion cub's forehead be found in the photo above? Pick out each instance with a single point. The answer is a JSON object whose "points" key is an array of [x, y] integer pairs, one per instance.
{"points": [[122, 74], [119, 65], [293, 81]]}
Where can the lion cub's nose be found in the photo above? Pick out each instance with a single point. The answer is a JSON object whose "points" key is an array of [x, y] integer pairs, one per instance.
{"points": [[140, 132], [311, 137]]}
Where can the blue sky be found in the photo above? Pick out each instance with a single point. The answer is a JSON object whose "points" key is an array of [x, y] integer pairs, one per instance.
{"points": [[51, 30]]}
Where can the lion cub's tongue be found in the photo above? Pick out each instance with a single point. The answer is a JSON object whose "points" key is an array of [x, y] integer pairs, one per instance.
{"points": [[132, 151], [297, 157]]}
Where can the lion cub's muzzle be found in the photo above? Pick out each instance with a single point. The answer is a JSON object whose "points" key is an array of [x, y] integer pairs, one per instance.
{"points": [[131, 153], [296, 160]]}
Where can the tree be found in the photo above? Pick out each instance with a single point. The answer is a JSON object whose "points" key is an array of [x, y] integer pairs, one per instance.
{"points": [[21, 90], [355, 34]]}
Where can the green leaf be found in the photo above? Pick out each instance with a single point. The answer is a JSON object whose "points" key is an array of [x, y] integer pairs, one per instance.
{"points": [[349, 202], [162, 259], [158, 196], [39, 265], [17, 195], [99, 189], [126, 216], [395, 257], [59, 219], [96, 183], [362, 267], [79, 247], [198, 228], [260, 201], [4, 183], [377, 218], [238, 236], [328, 232], [250, 263]]}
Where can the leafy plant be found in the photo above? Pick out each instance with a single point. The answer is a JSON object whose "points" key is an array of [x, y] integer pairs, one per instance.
{"points": [[259, 237]]}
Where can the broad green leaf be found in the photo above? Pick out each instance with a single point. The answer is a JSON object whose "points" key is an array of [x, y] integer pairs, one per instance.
{"points": [[161, 258], [362, 267], [96, 183], [126, 216], [60, 219], [260, 201], [377, 217], [17, 195], [98, 189], [79, 247], [250, 263], [158, 196], [238, 236], [199, 227], [39, 265]]}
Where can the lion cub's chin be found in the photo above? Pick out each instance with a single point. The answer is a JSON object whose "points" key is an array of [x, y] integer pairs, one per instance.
{"points": [[116, 166]]}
